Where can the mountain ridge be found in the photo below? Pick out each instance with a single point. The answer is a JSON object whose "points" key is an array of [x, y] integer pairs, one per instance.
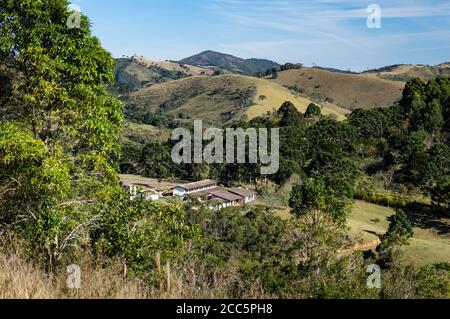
{"points": [[230, 62]]}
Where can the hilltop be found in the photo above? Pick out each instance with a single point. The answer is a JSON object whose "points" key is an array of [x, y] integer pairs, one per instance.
{"points": [[182, 68], [138, 72], [230, 63], [130, 75], [406, 72]]}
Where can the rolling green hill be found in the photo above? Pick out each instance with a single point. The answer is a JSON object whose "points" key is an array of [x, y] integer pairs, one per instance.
{"points": [[230, 63]]}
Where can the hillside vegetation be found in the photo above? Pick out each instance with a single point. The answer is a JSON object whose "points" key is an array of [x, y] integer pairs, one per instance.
{"points": [[130, 76], [406, 72], [428, 245], [64, 211], [183, 68], [349, 91], [218, 98]]}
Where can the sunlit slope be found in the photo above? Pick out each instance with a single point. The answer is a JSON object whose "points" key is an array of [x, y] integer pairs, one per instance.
{"points": [[219, 98], [270, 96], [349, 91], [173, 66]]}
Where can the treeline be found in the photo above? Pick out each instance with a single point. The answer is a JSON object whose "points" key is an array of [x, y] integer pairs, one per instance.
{"points": [[274, 71]]}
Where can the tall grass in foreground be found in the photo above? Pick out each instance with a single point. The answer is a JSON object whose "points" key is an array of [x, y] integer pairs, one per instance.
{"points": [[21, 279]]}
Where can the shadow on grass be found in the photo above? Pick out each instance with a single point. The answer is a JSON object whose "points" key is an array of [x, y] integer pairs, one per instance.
{"points": [[427, 217]]}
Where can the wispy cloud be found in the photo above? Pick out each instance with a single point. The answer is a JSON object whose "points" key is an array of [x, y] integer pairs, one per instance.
{"points": [[338, 26], [328, 32]]}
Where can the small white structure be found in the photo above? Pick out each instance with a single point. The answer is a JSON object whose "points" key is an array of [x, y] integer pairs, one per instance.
{"points": [[132, 189], [140, 189], [151, 195]]}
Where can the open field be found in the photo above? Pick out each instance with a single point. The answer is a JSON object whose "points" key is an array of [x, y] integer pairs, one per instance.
{"points": [[431, 241], [349, 91], [430, 244], [276, 95]]}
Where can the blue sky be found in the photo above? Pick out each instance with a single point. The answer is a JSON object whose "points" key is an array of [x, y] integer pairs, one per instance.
{"points": [[331, 33]]}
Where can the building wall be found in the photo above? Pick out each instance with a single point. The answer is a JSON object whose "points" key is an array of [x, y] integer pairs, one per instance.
{"points": [[151, 197], [250, 199], [179, 192]]}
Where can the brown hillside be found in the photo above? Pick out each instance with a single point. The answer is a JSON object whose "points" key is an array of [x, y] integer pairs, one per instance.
{"points": [[173, 66], [349, 91], [406, 72], [220, 98]]}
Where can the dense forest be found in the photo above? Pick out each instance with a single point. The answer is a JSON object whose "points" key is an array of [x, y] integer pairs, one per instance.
{"points": [[61, 202]]}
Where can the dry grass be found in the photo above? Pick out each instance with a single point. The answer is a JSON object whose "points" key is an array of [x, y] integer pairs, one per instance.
{"points": [[407, 71], [173, 66], [276, 95], [209, 98], [20, 279], [142, 133], [349, 91]]}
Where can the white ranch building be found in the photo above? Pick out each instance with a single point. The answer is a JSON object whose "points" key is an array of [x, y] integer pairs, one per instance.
{"points": [[214, 197], [187, 189]]}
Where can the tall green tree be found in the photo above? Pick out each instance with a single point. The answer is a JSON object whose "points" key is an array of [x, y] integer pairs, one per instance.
{"points": [[289, 114], [63, 76], [313, 198], [59, 137], [313, 110], [400, 225], [157, 160]]}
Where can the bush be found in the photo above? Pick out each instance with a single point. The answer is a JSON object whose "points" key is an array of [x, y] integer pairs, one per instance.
{"points": [[383, 199]]}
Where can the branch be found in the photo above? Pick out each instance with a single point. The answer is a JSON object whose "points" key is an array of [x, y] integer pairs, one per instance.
{"points": [[74, 233]]}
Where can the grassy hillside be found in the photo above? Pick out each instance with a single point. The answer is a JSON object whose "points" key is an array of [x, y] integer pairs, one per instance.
{"points": [[431, 241], [140, 134], [430, 244], [406, 72], [276, 95], [230, 63], [130, 76], [217, 98], [183, 68], [349, 91]]}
